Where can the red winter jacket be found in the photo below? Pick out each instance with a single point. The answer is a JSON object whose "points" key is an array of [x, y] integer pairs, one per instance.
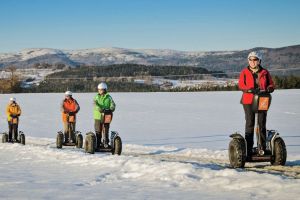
{"points": [[246, 82]]}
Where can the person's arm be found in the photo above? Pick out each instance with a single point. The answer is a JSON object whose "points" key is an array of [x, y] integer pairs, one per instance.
{"points": [[97, 105], [19, 111], [62, 108], [242, 82], [77, 107], [8, 112], [112, 105]]}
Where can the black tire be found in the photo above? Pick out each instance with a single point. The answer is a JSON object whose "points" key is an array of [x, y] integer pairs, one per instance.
{"points": [[279, 152], [237, 153], [79, 140], [22, 138], [117, 146], [4, 138], [59, 140], [89, 145]]}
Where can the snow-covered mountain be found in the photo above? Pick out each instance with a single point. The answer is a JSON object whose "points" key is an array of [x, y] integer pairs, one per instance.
{"points": [[103, 56], [228, 61]]}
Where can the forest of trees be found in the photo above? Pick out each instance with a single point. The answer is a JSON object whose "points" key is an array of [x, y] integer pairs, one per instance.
{"points": [[287, 82], [121, 78], [127, 70]]}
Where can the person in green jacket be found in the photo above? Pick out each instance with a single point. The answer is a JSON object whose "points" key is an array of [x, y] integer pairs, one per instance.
{"points": [[104, 106]]}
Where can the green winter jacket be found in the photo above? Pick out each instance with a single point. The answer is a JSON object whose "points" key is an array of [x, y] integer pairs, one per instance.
{"points": [[101, 103]]}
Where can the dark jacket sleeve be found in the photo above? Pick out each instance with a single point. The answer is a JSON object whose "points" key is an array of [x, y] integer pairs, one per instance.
{"points": [[77, 106], [271, 85]]}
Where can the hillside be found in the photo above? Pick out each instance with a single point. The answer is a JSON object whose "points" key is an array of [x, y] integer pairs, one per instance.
{"points": [[274, 58], [126, 77]]}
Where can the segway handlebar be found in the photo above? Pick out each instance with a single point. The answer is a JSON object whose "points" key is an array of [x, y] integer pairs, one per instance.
{"points": [[257, 91]]}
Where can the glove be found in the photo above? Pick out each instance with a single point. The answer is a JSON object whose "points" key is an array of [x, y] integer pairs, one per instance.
{"points": [[66, 112], [253, 90], [72, 113], [13, 115], [270, 89]]}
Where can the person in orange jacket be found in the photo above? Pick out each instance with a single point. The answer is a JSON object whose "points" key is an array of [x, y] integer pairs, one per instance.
{"points": [[69, 108], [13, 112]]}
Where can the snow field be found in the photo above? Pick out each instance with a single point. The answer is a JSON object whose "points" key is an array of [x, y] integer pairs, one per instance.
{"points": [[175, 147]]}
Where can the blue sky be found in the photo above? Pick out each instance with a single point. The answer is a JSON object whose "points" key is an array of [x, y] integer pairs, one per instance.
{"points": [[158, 24]]}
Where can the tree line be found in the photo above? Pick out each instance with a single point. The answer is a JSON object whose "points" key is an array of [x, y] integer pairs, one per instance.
{"points": [[129, 70], [122, 78]]}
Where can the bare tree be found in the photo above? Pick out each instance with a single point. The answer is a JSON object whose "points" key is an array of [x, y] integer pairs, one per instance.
{"points": [[12, 82]]}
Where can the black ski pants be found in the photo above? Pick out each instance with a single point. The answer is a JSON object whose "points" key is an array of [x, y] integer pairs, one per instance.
{"points": [[12, 131], [249, 127], [102, 130], [71, 126]]}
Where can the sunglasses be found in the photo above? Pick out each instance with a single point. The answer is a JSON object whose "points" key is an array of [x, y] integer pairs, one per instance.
{"points": [[255, 59]]}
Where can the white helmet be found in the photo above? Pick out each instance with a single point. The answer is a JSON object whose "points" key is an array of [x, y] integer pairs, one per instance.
{"points": [[68, 93], [255, 54], [12, 99], [102, 86]]}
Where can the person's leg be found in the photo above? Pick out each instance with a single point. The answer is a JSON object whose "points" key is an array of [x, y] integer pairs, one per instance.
{"points": [[15, 132], [66, 131], [98, 130], [72, 126], [106, 133], [249, 127], [262, 120], [10, 129]]}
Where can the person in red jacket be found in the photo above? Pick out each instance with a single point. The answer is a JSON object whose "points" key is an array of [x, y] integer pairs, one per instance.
{"points": [[254, 79], [69, 108]]}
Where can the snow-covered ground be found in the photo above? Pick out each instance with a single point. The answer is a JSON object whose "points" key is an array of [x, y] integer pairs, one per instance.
{"points": [[36, 75], [175, 147], [207, 82]]}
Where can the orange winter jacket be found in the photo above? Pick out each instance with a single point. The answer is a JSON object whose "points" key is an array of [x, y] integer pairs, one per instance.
{"points": [[12, 109], [69, 107]]}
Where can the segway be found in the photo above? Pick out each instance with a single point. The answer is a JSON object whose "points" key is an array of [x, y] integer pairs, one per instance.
{"points": [[74, 137], [275, 151], [18, 138], [115, 146]]}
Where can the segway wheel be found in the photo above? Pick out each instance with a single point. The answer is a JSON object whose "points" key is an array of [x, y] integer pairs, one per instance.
{"points": [[89, 145], [237, 153], [279, 152], [59, 140], [79, 141], [4, 138], [117, 149], [22, 138]]}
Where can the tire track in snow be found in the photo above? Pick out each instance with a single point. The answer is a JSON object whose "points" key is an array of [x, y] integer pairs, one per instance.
{"points": [[291, 170]]}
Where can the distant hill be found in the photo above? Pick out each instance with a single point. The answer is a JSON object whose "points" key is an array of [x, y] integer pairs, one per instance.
{"points": [[228, 61], [130, 77]]}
